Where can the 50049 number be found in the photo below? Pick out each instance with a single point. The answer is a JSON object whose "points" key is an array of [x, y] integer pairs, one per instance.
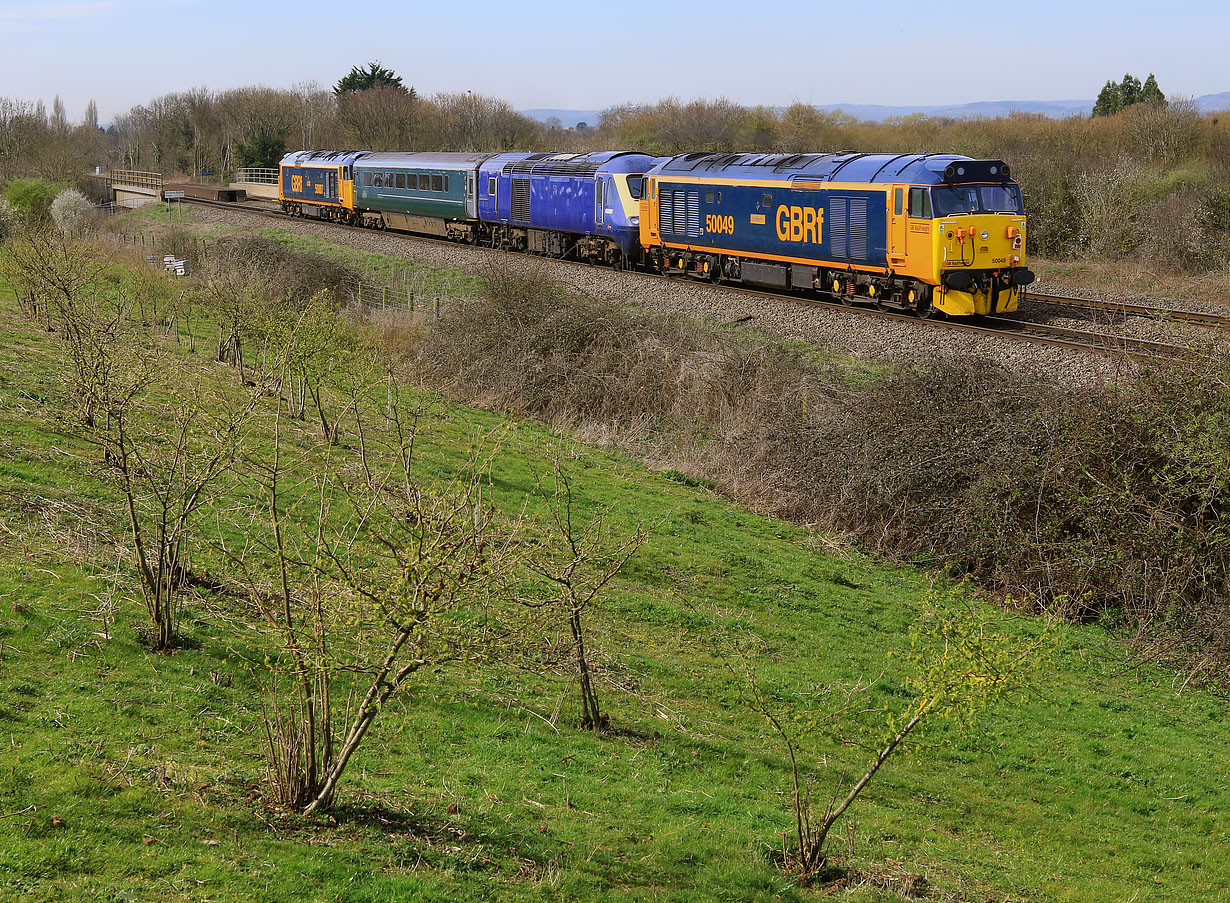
{"points": [[720, 225]]}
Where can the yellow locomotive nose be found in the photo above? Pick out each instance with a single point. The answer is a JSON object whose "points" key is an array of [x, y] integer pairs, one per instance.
{"points": [[979, 256]]}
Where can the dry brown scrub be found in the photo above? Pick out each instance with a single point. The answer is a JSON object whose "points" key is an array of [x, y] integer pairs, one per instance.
{"points": [[1109, 504]]}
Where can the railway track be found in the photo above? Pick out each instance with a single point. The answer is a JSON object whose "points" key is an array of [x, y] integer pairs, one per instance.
{"points": [[1137, 310], [999, 327]]}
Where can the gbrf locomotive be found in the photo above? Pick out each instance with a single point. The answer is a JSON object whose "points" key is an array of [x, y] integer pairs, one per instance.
{"points": [[918, 232]]}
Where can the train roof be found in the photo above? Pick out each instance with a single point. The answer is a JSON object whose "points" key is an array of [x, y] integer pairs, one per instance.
{"points": [[918, 169], [439, 159], [573, 164], [322, 158]]}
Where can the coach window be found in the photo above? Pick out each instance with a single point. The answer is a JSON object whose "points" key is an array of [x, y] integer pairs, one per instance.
{"points": [[367, 179], [412, 181], [437, 183], [446, 183], [920, 203], [898, 201], [491, 186], [378, 180], [401, 180]]}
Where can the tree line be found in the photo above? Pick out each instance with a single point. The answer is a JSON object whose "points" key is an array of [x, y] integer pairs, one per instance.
{"points": [[1144, 177]]}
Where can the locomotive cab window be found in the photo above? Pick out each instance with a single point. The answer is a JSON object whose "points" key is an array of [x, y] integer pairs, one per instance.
{"points": [[897, 201], [1001, 199], [920, 203], [636, 187], [950, 201]]}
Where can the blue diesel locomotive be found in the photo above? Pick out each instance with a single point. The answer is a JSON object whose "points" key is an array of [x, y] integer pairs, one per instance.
{"points": [[918, 232]]}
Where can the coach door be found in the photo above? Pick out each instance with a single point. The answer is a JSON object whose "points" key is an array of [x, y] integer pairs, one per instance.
{"points": [[471, 195], [898, 229], [599, 200]]}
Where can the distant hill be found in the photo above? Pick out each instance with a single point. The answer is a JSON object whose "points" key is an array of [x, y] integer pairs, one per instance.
{"points": [[1211, 103], [877, 113], [568, 118]]}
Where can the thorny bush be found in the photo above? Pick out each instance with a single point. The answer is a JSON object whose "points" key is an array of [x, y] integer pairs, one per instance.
{"points": [[1105, 502]]}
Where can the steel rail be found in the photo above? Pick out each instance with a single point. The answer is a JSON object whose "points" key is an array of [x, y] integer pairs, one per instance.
{"points": [[1140, 310]]}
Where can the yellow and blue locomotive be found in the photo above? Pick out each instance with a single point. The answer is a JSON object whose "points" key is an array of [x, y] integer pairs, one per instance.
{"points": [[917, 232]]}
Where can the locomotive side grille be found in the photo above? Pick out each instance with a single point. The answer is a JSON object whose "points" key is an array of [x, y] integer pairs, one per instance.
{"points": [[838, 233], [681, 212], [521, 200], [694, 214], [666, 212], [857, 245]]}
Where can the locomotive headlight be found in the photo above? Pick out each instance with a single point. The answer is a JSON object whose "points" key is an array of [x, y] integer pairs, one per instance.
{"points": [[634, 220]]}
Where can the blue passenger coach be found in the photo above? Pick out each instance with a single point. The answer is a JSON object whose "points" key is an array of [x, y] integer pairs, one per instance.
{"points": [[582, 205]]}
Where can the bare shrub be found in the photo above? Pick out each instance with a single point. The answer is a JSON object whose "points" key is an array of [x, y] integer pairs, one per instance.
{"points": [[1111, 201], [1100, 503], [295, 274], [1165, 131]]}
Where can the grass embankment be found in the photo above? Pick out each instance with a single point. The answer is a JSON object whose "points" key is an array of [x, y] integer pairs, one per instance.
{"points": [[127, 775]]}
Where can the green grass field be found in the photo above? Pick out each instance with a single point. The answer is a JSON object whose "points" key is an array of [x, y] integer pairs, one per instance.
{"points": [[130, 776]]}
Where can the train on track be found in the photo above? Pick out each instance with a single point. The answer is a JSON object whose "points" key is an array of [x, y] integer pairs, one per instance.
{"points": [[915, 232]]}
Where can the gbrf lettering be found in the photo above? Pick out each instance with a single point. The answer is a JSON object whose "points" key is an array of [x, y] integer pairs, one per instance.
{"points": [[800, 224]]}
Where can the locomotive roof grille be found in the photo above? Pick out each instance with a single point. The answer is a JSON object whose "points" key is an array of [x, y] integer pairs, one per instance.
{"points": [[554, 165]]}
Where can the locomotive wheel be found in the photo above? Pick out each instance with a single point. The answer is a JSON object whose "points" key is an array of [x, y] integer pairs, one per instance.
{"points": [[839, 289], [919, 299]]}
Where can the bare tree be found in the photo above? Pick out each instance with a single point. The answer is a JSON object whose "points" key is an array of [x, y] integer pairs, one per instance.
{"points": [[574, 577], [164, 434], [961, 666], [380, 576]]}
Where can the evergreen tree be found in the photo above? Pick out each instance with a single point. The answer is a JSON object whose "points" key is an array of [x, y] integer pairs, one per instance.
{"points": [[1109, 102], [260, 147], [372, 76], [1117, 97], [1151, 93]]}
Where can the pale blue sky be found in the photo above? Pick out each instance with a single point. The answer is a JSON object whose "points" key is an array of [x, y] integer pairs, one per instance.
{"points": [[585, 54]]}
